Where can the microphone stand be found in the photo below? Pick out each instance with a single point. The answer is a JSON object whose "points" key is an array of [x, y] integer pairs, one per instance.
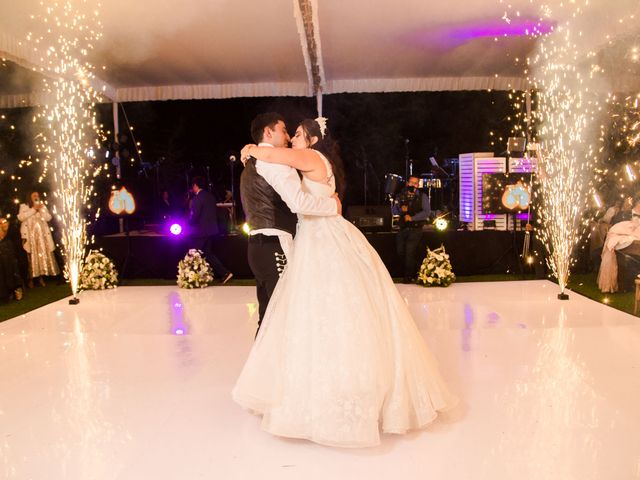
{"points": [[364, 171], [210, 185], [234, 227], [407, 161]]}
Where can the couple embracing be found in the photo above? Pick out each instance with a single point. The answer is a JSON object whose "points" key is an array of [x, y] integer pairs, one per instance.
{"points": [[337, 356]]}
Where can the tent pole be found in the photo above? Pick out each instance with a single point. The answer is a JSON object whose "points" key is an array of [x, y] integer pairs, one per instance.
{"points": [[528, 106], [116, 157], [116, 133], [319, 102]]}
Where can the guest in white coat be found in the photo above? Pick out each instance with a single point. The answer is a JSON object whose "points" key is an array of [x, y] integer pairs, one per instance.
{"points": [[37, 239]]}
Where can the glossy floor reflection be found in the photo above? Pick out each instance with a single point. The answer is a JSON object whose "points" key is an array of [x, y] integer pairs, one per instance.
{"points": [[135, 384]]}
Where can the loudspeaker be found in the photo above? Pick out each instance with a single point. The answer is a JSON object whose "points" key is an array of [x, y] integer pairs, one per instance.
{"points": [[375, 218], [516, 146]]}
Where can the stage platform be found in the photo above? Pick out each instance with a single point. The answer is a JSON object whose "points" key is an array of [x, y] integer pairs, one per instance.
{"points": [[135, 384], [156, 256]]}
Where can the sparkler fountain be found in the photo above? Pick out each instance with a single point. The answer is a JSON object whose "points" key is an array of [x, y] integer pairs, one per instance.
{"points": [[571, 94], [68, 112], [566, 112]]}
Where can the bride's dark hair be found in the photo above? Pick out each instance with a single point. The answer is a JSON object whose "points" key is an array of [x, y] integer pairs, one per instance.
{"points": [[329, 148]]}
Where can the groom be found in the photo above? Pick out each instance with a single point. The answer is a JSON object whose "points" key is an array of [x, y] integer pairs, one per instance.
{"points": [[271, 196]]}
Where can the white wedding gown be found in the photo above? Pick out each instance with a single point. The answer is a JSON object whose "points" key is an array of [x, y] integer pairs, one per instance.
{"points": [[338, 355]]}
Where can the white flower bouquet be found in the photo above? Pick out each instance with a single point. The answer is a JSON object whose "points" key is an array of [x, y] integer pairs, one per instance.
{"points": [[436, 270], [98, 272], [194, 271]]}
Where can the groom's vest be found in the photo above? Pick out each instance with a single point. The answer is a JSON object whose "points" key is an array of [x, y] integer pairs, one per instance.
{"points": [[263, 207]]}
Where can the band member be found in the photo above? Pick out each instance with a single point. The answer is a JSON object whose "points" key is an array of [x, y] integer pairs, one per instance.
{"points": [[413, 208]]}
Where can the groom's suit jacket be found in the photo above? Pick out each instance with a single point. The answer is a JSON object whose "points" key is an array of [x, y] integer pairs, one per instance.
{"points": [[264, 208]]}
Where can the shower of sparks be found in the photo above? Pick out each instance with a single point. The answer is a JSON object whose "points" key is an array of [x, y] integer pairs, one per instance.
{"points": [[566, 113], [71, 134], [569, 106], [620, 147], [625, 121]]}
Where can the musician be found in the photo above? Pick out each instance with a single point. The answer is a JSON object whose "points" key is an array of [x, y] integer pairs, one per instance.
{"points": [[413, 208]]}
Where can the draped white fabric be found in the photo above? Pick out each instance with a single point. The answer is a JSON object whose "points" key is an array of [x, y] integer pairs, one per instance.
{"points": [[429, 84], [300, 89], [283, 89], [195, 92]]}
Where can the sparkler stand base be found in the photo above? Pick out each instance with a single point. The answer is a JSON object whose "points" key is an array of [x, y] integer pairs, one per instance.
{"points": [[74, 301], [563, 296]]}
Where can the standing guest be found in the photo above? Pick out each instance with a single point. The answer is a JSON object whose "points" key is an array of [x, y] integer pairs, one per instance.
{"points": [[10, 280], [204, 223], [413, 208], [166, 208], [37, 239]]}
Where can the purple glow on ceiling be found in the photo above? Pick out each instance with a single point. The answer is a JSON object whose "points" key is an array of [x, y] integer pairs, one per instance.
{"points": [[518, 27], [456, 34]]}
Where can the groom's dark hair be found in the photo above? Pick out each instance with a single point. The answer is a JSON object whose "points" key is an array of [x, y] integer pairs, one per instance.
{"points": [[263, 120]]}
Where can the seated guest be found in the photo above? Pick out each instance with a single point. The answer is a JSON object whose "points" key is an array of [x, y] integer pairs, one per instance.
{"points": [[620, 236], [624, 213], [612, 211], [10, 280], [599, 229]]}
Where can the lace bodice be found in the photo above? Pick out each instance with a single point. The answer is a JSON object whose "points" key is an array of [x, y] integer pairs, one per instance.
{"points": [[320, 188]]}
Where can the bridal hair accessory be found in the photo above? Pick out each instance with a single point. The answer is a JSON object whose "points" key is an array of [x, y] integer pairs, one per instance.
{"points": [[322, 122]]}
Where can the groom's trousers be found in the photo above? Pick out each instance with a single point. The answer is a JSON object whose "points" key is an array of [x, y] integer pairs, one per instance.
{"points": [[267, 262]]}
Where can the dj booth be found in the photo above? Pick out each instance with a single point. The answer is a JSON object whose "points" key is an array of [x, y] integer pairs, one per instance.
{"points": [[152, 255]]}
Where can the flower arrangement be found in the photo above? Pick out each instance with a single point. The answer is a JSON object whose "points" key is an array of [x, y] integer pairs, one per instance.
{"points": [[194, 271], [436, 270], [98, 272]]}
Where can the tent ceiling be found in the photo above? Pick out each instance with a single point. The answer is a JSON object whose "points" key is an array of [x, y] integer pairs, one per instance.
{"points": [[158, 50]]}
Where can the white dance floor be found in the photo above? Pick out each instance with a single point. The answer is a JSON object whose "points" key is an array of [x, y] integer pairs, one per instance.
{"points": [[135, 384]]}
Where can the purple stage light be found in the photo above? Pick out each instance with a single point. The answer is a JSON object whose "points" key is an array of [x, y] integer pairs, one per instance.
{"points": [[175, 228]]}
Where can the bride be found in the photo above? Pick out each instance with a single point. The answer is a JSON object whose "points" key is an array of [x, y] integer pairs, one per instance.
{"points": [[338, 355]]}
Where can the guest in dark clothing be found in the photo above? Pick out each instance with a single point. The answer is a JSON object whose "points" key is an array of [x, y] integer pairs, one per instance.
{"points": [[165, 210], [10, 280], [413, 208], [204, 227]]}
